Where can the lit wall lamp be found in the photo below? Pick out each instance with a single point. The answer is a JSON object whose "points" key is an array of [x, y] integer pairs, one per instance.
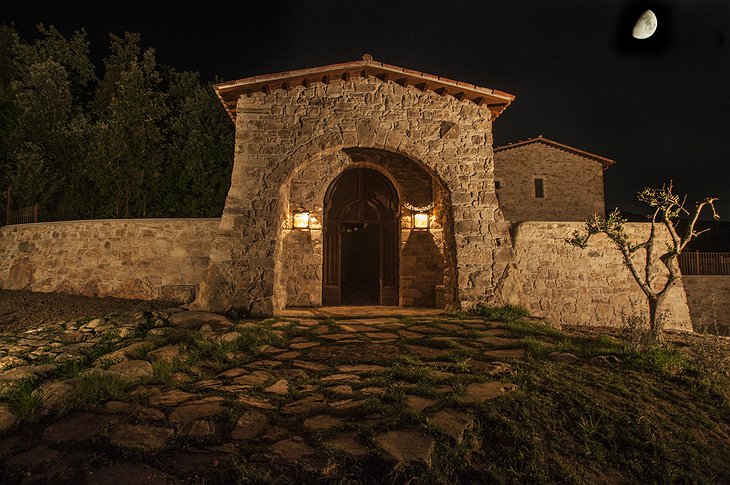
{"points": [[301, 218], [420, 216]]}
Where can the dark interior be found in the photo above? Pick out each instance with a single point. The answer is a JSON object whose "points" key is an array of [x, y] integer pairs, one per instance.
{"points": [[360, 263]]}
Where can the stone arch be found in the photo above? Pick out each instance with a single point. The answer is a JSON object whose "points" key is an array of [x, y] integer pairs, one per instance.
{"points": [[366, 135], [299, 254]]}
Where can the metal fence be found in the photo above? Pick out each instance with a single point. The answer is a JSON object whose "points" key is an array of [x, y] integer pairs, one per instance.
{"points": [[23, 215], [704, 263]]}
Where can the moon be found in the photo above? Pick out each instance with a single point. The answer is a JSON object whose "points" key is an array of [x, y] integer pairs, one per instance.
{"points": [[645, 26]]}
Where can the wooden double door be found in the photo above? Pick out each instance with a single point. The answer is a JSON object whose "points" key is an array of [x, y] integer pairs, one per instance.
{"points": [[361, 240]]}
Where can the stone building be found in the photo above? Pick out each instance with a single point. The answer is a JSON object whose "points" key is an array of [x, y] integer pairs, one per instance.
{"points": [[361, 183], [356, 147], [543, 180]]}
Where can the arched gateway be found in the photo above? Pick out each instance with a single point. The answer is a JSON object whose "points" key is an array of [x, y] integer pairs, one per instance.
{"points": [[384, 140]]}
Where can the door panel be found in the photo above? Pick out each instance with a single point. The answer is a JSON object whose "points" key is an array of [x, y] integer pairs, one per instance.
{"points": [[389, 264], [361, 198], [331, 294]]}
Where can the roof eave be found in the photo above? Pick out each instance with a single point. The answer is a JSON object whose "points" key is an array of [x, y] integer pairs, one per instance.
{"points": [[229, 92], [605, 162]]}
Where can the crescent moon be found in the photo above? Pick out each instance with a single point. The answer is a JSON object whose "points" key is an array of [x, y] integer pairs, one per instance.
{"points": [[645, 26]]}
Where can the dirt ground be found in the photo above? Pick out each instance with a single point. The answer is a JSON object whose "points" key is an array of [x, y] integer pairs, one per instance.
{"points": [[22, 309]]}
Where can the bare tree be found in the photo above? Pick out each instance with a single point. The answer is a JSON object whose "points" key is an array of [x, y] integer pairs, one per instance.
{"points": [[667, 208]]}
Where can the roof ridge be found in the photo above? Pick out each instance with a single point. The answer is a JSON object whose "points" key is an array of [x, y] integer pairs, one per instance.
{"points": [[496, 101], [605, 162]]}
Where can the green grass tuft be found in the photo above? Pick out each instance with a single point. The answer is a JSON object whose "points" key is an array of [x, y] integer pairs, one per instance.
{"points": [[19, 396], [506, 313]]}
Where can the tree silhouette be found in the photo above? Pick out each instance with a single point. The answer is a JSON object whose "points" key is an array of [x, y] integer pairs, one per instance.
{"points": [[667, 208]]}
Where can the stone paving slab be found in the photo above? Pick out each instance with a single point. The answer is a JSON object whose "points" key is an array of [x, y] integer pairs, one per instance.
{"points": [[309, 384], [506, 353], [360, 311]]}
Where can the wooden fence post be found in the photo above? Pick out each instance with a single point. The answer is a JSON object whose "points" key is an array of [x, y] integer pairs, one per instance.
{"points": [[35, 212]]}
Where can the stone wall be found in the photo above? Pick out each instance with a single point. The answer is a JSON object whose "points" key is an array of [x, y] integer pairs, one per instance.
{"points": [[708, 297], [573, 185], [421, 266], [133, 258], [166, 258], [281, 131], [582, 287]]}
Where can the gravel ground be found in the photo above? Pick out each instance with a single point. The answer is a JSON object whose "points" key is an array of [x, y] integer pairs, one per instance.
{"points": [[21, 309]]}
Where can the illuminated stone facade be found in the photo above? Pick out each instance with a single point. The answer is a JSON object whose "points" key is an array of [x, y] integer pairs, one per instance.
{"points": [[569, 181], [292, 142]]}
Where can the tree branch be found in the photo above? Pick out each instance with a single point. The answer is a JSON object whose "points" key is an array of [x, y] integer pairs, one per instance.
{"points": [[635, 273], [689, 233]]}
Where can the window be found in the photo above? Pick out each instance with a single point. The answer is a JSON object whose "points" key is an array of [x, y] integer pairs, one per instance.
{"points": [[539, 189], [497, 184]]}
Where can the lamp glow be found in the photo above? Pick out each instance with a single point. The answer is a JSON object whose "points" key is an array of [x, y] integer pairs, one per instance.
{"points": [[301, 219], [421, 220]]}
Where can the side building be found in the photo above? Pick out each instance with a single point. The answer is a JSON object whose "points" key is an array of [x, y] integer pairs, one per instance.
{"points": [[542, 180]]}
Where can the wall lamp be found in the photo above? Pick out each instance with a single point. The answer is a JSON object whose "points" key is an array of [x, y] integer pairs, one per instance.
{"points": [[420, 216], [301, 218]]}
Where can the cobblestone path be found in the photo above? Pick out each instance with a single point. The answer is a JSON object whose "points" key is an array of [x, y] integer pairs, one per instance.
{"points": [[190, 397]]}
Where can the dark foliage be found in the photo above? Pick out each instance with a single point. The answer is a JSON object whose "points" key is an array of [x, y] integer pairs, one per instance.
{"points": [[141, 140]]}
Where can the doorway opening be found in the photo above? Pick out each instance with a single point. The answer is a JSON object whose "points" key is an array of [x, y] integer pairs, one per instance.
{"points": [[360, 277], [361, 240]]}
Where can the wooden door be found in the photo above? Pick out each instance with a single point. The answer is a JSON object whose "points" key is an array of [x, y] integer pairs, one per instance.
{"points": [[358, 198]]}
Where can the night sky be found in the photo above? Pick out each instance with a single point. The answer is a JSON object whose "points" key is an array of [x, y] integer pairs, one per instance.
{"points": [[659, 107]]}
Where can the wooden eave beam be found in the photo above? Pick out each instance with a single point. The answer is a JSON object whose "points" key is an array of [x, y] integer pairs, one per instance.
{"points": [[496, 101]]}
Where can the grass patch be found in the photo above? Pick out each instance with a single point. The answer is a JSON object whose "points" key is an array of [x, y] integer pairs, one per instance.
{"points": [[163, 371], [505, 313], [250, 341], [589, 347], [664, 359], [147, 324], [413, 374], [95, 387], [254, 337], [19, 396], [587, 425], [257, 475]]}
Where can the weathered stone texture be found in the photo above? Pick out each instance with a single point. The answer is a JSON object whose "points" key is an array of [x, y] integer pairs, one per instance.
{"points": [[584, 286], [573, 185], [423, 255], [134, 258], [708, 297], [281, 133]]}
